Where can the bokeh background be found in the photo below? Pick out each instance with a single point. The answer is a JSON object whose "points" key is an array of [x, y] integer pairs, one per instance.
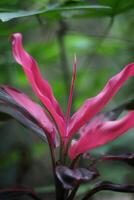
{"points": [[103, 40]]}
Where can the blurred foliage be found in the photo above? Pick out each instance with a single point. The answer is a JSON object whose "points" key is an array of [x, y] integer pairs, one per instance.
{"points": [[100, 32]]}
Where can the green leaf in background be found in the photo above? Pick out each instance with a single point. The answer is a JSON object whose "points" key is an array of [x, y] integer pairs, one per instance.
{"points": [[73, 9], [6, 16], [118, 6]]}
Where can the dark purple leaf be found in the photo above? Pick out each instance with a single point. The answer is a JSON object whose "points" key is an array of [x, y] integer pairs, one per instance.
{"points": [[129, 105], [126, 157], [69, 177], [114, 113], [10, 107], [105, 185]]}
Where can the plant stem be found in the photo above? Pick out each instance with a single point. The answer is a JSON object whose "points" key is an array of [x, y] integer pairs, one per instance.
{"points": [[74, 162], [60, 191], [73, 192], [109, 186], [51, 147]]}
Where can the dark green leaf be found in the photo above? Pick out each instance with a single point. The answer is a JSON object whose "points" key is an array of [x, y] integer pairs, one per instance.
{"points": [[118, 6]]}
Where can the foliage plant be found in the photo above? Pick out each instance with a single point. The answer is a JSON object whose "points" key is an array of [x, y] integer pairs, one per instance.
{"points": [[70, 138]]}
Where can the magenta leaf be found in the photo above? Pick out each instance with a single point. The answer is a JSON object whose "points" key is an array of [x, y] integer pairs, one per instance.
{"points": [[95, 104], [40, 86], [70, 177], [96, 122], [20, 112], [99, 133], [111, 115], [25, 119]]}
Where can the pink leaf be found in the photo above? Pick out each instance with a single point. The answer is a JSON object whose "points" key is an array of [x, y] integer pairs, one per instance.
{"points": [[40, 86], [95, 104], [34, 109], [101, 134]]}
